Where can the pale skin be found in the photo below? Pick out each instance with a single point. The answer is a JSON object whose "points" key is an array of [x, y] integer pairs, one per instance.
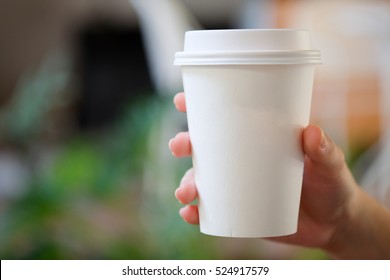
{"points": [[336, 215]]}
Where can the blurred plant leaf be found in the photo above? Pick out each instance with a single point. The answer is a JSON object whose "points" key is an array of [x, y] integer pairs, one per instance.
{"points": [[36, 93]]}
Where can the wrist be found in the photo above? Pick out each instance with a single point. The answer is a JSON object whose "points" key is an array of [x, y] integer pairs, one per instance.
{"points": [[363, 232], [349, 228]]}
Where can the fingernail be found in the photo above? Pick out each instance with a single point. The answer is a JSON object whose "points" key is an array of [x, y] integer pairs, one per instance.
{"points": [[324, 141], [184, 178], [176, 192], [170, 144], [175, 100], [182, 210]]}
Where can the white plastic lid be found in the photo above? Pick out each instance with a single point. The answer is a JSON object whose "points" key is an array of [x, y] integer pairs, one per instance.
{"points": [[247, 46]]}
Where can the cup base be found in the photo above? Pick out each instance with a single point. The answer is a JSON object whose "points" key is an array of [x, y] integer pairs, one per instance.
{"points": [[233, 234]]}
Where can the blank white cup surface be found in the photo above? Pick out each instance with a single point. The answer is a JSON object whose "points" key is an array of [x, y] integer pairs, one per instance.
{"points": [[248, 96]]}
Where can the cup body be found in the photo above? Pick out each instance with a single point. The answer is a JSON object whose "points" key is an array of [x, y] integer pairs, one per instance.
{"points": [[245, 123]]}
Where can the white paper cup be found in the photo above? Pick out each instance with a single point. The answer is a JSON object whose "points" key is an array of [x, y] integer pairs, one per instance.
{"points": [[248, 95]]}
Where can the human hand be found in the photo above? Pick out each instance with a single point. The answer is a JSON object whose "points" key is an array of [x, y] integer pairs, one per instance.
{"points": [[330, 199]]}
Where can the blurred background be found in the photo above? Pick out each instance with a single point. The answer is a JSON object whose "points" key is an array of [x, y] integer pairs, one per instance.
{"points": [[86, 113]]}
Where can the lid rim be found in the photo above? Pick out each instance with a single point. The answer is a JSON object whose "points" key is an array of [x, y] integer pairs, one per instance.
{"points": [[248, 57]]}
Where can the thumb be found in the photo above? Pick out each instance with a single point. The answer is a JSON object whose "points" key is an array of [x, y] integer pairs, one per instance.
{"points": [[323, 154]]}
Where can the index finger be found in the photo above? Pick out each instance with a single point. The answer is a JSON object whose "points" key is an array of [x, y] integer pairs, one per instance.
{"points": [[180, 102]]}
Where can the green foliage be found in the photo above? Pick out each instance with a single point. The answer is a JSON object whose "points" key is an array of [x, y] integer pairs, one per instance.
{"points": [[37, 93], [96, 175]]}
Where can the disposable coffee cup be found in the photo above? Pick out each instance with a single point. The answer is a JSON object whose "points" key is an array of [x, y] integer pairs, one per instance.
{"points": [[248, 95]]}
